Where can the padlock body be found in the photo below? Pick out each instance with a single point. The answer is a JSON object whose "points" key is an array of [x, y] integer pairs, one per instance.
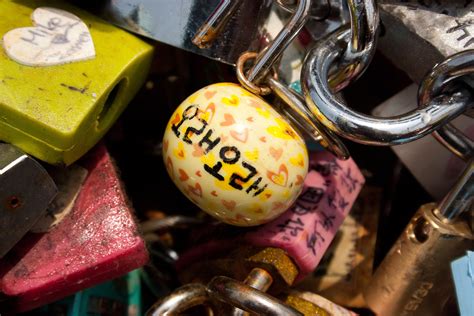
{"points": [[56, 113], [234, 156], [415, 277]]}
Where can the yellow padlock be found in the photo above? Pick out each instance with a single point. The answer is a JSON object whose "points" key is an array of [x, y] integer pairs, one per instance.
{"points": [[234, 156], [65, 77]]}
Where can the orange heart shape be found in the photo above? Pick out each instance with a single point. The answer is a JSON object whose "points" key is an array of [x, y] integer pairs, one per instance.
{"points": [[183, 176], [280, 178], [276, 153], [228, 120], [299, 180], [230, 205], [198, 151], [196, 190], [240, 136], [209, 94]]}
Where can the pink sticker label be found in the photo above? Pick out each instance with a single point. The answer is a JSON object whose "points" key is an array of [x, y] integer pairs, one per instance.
{"points": [[308, 227]]}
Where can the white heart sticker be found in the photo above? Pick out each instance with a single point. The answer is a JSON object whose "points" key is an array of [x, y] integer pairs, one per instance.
{"points": [[58, 37]]}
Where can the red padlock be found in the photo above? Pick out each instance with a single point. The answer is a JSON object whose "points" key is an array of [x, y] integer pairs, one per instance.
{"points": [[97, 241]]}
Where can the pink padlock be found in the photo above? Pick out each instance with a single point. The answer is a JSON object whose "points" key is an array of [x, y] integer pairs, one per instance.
{"points": [[306, 230], [97, 241]]}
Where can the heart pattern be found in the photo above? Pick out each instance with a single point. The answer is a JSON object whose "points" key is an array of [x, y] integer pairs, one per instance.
{"points": [[57, 37], [228, 120], [209, 94], [280, 178], [244, 123], [232, 101], [230, 205], [241, 136], [276, 153], [196, 190], [183, 176], [198, 151], [297, 160]]}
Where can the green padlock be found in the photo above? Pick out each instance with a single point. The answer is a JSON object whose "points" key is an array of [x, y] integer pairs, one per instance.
{"points": [[65, 77]]}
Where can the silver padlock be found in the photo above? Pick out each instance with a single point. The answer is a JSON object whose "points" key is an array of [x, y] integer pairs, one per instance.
{"points": [[414, 278], [26, 190], [192, 25]]}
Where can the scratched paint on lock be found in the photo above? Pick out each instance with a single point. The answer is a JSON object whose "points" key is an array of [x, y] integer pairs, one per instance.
{"points": [[97, 241], [306, 230], [234, 156]]}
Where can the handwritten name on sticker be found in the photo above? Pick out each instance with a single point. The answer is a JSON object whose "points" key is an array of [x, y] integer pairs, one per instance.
{"points": [[58, 37], [306, 230]]}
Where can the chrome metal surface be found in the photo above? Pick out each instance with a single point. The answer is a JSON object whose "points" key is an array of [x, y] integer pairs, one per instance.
{"points": [[335, 115], [215, 22], [461, 197], [180, 300], [247, 298], [258, 279], [456, 70], [176, 22], [26, 190], [364, 22], [268, 56], [298, 113], [338, 15], [453, 139], [320, 10]]}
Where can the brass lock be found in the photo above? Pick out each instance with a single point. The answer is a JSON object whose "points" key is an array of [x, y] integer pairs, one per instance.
{"points": [[415, 277]]}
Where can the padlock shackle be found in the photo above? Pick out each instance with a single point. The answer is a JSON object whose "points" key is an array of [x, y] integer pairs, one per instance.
{"points": [[180, 300], [266, 59], [247, 298], [461, 197], [454, 140], [298, 113], [333, 112]]}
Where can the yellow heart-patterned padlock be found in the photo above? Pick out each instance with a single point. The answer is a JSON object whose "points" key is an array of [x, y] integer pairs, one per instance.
{"points": [[234, 156]]}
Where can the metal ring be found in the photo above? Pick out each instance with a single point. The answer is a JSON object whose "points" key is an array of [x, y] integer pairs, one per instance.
{"points": [[246, 83], [444, 76], [364, 22], [333, 113], [290, 8], [453, 139], [183, 298], [268, 56], [247, 298], [299, 114]]}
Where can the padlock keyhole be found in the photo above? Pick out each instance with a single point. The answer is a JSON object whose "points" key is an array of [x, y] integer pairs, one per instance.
{"points": [[13, 202], [109, 103], [421, 230]]}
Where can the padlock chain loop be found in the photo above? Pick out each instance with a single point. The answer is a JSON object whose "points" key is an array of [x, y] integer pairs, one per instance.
{"points": [[454, 72], [335, 115]]}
